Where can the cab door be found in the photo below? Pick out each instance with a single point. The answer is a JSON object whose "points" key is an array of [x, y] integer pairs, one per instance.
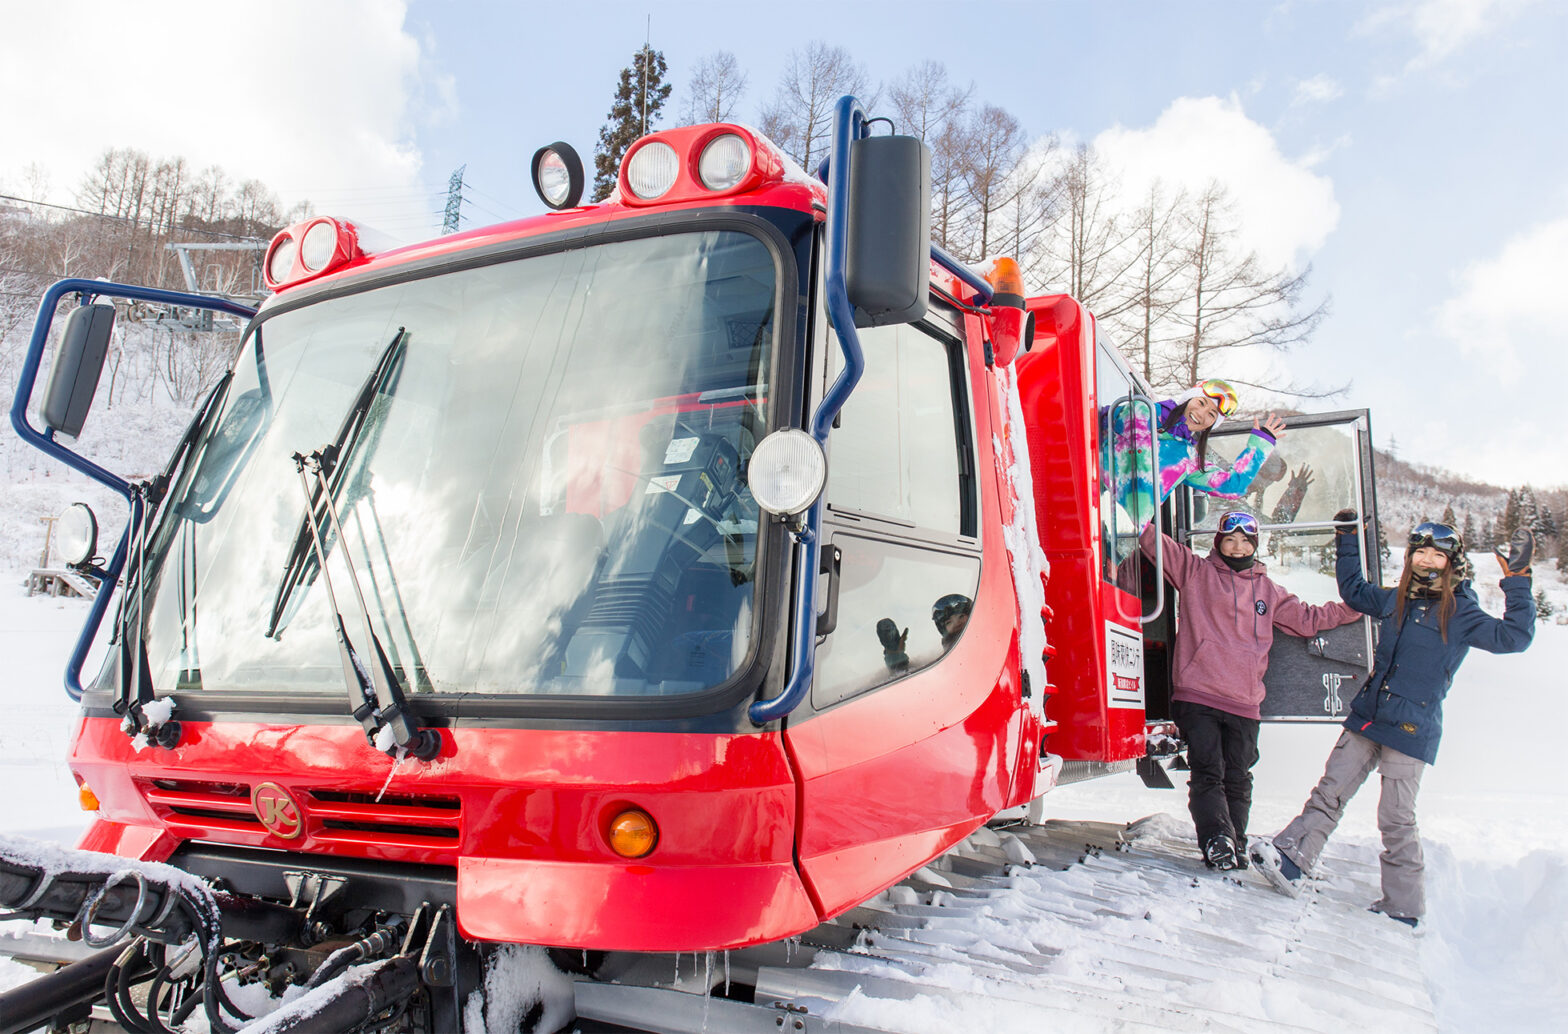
{"points": [[1322, 464]]}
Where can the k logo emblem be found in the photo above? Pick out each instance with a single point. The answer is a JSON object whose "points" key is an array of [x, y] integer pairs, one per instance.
{"points": [[277, 810]]}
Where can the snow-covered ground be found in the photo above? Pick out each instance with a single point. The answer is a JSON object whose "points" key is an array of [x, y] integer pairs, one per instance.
{"points": [[1492, 811]]}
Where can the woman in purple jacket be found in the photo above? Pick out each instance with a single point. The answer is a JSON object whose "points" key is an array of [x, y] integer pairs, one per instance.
{"points": [[1229, 610]]}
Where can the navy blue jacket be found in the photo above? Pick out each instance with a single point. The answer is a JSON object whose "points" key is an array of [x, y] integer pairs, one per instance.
{"points": [[1401, 705]]}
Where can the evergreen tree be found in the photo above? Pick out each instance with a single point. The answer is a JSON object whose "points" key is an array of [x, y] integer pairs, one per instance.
{"points": [[1510, 520], [1469, 531], [1543, 606], [1448, 515], [1488, 537], [638, 98]]}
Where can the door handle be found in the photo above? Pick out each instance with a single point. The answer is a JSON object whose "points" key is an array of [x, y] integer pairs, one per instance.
{"points": [[827, 621]]}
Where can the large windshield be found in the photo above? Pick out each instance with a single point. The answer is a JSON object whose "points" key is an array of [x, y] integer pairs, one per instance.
{"points": [[536, 466]]}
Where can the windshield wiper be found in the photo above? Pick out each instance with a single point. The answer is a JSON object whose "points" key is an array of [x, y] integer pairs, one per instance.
{"points": [[298, 569], [375, 697]]}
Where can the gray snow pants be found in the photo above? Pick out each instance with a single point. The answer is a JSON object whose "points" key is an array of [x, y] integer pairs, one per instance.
{"points": [[1349, 763]]}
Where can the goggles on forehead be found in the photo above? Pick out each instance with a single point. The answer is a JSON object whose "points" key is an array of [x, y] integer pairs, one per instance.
{"points": [[1238, 521], [1223, 395], [1438, 536]]}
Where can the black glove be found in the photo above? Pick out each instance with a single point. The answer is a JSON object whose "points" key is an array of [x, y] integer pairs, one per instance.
{"points": [[1516, 559], [1346, 519]]}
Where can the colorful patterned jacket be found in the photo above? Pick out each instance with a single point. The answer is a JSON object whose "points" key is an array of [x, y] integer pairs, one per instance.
{"points": [[1178, 461]]}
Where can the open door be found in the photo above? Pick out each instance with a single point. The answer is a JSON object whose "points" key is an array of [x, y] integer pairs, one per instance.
{"points": [[1322, 464]]}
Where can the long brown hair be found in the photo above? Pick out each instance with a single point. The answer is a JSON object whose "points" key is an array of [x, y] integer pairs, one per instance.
{"points": [[1200, 439], [1445, 593]]}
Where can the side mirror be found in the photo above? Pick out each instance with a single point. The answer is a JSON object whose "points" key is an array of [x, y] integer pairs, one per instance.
{"points": [[888, 255], [78, 362]]}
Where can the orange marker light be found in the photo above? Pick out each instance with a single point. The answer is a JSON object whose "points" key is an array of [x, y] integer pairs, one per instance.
{"points": [[86, 797], [633, 833], [1006, 278]]}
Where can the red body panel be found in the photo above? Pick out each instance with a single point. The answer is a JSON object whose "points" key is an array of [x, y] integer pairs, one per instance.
{"points": [[524, 811], [1056, 383]]}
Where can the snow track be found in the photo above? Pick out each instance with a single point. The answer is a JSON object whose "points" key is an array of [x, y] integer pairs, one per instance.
{"points": [[1084, 926]]}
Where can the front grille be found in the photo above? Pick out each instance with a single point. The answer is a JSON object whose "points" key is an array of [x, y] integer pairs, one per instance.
{"points": [[335, 816]]}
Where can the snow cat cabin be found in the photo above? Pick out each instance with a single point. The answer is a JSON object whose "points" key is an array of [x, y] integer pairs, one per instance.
{"points": [[665, 575]]}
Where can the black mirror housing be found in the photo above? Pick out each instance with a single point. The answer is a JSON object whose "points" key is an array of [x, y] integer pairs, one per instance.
{"points": [[78, 363], [888, 255]]}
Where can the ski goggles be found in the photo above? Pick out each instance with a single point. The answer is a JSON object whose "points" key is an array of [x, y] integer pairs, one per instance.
{"points": [[1223, 395], [1238, 521], [1438, 536]]}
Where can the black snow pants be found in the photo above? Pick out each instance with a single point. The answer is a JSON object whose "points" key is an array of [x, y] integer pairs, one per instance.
{"points": [[1221, 750]]}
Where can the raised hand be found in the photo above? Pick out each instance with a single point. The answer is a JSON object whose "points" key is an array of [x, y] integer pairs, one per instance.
{"points": [[1274, 425], [1516, 559]]}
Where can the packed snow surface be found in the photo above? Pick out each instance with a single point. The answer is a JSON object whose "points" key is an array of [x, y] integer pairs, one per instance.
{"points": [[1491, 953]]}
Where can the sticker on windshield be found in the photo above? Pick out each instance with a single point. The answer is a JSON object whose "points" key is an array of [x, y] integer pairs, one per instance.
{"points": [[692, 516], [680, 450], [1123, 667], [667, 483]]}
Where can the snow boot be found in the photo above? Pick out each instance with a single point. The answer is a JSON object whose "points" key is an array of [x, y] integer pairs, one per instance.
{"points": [[1220, 852], [1410, 921], [1276, 867]]}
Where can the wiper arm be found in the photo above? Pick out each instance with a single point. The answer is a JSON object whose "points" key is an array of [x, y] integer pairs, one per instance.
{"points": [[375, 698], [297, 570]]}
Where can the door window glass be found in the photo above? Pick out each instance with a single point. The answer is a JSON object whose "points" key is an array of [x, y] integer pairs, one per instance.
{"points": [[895, 452], [900, 608]]}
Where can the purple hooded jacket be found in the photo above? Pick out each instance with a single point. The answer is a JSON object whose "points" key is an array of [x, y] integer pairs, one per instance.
{"points": [[1227, 626]]}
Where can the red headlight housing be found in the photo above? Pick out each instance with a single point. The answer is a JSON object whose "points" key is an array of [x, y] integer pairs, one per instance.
{"points": [[306, 250], [696, 162]]}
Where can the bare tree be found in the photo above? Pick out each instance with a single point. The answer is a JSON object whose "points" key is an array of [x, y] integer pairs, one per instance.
{"points": [[930, 106], [1089, 251], [717, 85], [991, 178], [1231, 303], [800, 117], [1143, 324]]}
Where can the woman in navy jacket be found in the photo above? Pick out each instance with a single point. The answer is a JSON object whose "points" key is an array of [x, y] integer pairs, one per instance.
{"points": [[1428, 622]]}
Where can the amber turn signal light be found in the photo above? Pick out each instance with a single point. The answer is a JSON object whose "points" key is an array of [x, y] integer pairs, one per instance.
{"points": [[86, 797], [633, 833]]}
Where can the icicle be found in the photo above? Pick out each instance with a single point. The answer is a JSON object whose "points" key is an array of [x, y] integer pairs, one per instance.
{"points": [[677, 970], [726, 972], [402, 752], [707, 987]]}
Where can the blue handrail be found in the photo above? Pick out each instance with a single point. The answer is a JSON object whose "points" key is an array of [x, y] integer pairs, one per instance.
{"points": [[849, 121], [44, 440]]}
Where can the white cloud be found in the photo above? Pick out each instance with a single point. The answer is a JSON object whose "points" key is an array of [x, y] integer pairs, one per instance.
{"points": [[1510, 310], [1285, 210], [308, 97], [1509, 321], [1443, 27], [1318, 90]]}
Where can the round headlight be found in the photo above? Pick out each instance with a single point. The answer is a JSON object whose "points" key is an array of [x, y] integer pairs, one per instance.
{"points": [[652, 170], [280, 266], [786, 472], [76, 534], [319, 245], [724, 162]]}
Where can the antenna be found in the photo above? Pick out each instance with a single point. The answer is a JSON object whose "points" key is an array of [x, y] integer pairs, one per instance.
{"points": [[646, 50]]}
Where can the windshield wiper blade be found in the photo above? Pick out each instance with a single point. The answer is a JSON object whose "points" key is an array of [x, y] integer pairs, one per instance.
{"points": [[375, 697], [297, 569]]}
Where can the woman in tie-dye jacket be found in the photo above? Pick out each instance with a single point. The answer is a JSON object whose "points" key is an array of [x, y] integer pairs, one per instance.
{"points": [[1184, 426]]}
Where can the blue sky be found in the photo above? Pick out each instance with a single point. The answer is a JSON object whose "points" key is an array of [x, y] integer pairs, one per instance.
{"points": [[1412, 151]]}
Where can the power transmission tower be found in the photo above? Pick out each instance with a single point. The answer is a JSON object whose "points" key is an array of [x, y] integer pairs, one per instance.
{"points": [[454, 201]]}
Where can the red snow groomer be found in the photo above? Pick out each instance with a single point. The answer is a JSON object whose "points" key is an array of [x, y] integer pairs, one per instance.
{"points": [[670, 574]]}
